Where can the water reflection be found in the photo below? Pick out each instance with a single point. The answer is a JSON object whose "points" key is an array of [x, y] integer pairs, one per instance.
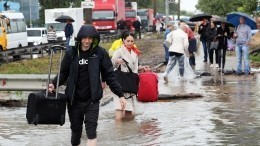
{"points": [[229, 114], [239, 113]]}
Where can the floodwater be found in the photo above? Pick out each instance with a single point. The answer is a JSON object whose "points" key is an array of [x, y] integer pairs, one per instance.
{"points": [[227, 114]]}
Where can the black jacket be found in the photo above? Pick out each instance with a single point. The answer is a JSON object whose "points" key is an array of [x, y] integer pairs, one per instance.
{"points": [[137, 25], [211, 34], [99, 64], [223, 39], [68, 30], [203, 31]]}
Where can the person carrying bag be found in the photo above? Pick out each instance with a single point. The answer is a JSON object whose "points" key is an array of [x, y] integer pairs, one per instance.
{"points": [[128, 80], [214, 44], [125, 60]]}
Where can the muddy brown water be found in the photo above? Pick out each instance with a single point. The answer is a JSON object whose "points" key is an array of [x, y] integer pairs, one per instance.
{"points": [[228, 114]]}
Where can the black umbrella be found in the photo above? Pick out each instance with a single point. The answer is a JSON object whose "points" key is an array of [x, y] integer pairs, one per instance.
{"points": [[64, 18], [218, 21], [200, 17], [159, 16]]}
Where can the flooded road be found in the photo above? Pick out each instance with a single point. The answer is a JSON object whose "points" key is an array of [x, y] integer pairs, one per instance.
{"points": [[228, 114]]}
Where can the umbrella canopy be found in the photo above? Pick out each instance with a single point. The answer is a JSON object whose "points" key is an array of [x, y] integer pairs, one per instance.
{"points": [[64, 18], [234, 19], [200, 17], [218, 21]]}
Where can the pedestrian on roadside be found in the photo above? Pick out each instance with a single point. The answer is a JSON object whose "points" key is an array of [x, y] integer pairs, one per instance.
{"points": [[158, 26], [68, 32], [82, 68], [243, 36], [178, 49], [212, 36], [130, 54], [137, 25], [203, 37], [192, 44], [52, 37], [169, 29], [121, 26], [223, 34]]}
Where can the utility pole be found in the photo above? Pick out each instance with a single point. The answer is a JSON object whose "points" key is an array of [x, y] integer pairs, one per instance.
{"points": [[179, 9], [154, 7], [166, 2]]}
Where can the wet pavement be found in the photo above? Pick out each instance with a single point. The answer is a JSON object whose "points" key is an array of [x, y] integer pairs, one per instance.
{"points": [[227, 114]]}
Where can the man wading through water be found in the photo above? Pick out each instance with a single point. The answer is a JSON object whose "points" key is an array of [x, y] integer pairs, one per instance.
{"points": [[82, 67]]}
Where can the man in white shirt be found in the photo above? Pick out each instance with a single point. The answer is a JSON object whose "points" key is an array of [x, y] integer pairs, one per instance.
{"points": [[179, 47]]}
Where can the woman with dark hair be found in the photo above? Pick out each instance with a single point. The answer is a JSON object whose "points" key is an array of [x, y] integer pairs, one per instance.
{"points": [[223, 33], [130, 54]]}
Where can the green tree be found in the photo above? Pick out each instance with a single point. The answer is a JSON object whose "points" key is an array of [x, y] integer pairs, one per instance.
{"points": [[223, 7]]}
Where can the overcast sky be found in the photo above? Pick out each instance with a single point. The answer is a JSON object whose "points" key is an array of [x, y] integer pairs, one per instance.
{"points": [[188, 5]]}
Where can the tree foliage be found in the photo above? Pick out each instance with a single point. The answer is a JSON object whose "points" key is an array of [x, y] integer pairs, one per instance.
{"points": [[223, 7]]}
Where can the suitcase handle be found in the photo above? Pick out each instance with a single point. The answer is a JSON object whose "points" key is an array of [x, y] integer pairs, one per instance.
{"points": [[50, 66]]}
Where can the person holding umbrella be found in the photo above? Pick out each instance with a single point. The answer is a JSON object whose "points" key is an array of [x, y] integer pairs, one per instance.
{"points": [[203, 37], [243, 36], [68, 32], [223, 34]]}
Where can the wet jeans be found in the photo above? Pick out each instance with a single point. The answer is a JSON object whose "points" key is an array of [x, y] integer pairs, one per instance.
{"points": [[80, 112], [205, 48], [166, 49], [172, 62], [242, 50]]}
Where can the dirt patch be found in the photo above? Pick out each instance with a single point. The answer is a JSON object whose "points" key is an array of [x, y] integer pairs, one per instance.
{"points": [[152, 50]]}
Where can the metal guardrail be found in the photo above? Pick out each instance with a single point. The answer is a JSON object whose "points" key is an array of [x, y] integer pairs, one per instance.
{"points": [[30, 50], [23, 82]]}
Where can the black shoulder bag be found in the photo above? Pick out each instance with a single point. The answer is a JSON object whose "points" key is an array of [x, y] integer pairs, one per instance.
{"points": [[129, 81]]}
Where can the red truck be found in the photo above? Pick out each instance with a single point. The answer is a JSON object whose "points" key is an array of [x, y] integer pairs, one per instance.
{"points": [[130, 14], [106, 13]]}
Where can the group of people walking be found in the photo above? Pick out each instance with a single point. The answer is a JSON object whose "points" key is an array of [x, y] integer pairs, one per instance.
{"points": [[85, 81], [241, 35]]}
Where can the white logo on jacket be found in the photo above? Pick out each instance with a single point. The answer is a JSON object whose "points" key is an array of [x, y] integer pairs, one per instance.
{"points": [[83, 61]]}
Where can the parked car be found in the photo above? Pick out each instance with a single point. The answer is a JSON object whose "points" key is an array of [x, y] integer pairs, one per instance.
{"points": [[37, 36]]}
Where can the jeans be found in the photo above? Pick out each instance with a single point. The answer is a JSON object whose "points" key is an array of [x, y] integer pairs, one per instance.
{"points": [[242, 50], [205, 48], [172, 62], [166, 49], [68, 43]]}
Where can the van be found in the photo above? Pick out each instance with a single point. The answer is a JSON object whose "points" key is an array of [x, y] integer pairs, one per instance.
{"points": [[37, 36]]}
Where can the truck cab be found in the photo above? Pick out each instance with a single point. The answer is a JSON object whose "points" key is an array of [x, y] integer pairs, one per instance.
{"points": [[130, 14], [106, 14]]}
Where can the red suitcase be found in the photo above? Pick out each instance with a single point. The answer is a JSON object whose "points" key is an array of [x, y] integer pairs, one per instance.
{"points": [[148, 87]]}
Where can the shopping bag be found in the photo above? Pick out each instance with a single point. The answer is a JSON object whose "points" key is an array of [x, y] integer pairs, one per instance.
{"points": [[72, 41]]}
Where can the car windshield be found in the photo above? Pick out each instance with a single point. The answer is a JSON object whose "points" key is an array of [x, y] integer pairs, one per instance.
{"points": [[34, 32], [140, 13], [103, 15], [131, 14]]}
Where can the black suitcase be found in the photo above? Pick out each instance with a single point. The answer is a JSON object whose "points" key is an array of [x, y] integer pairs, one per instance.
{"points": [[44, 107]]}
